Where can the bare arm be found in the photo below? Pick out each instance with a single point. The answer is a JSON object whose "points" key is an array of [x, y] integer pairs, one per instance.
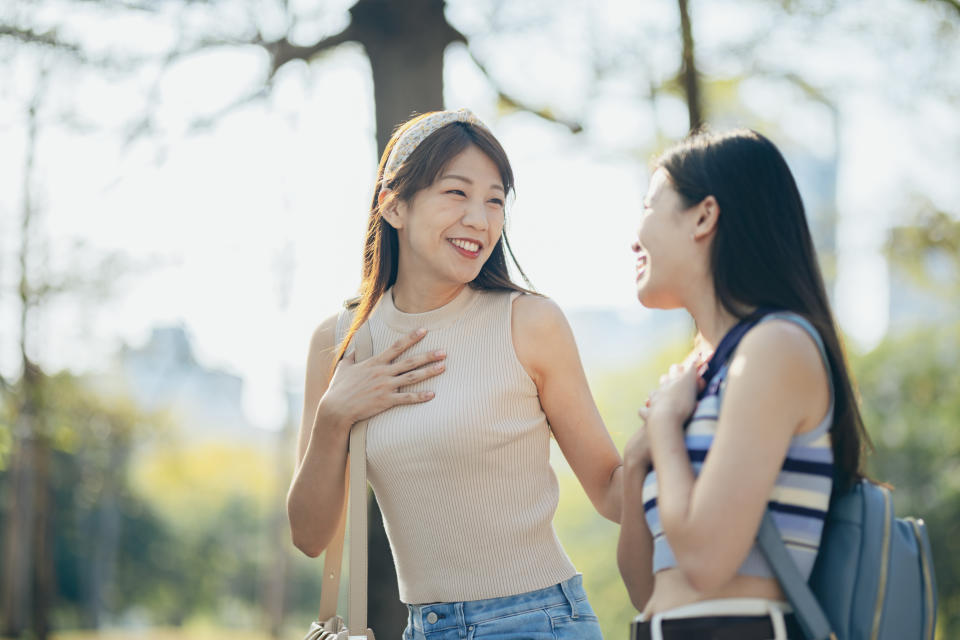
{"points": [[635, 544], [776, 387], [546, 349], [331, 406]]}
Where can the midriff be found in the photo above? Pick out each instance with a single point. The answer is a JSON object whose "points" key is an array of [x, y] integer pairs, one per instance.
{"points": [[671, 589]]}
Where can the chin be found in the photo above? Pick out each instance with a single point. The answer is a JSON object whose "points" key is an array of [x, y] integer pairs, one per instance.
{"points": [[651, 301], [467, 278], [464, 278], [643, 297]]}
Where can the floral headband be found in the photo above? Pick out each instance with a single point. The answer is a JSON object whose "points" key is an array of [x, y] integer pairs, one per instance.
{"points": [[419, 132]]}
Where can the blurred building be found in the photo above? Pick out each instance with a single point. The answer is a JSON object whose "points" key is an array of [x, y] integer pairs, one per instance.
{"points": [[817, 181], [620, 339], [164, 375]]}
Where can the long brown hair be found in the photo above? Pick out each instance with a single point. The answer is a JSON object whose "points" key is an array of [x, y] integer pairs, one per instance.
{"points": [[419, 171], [763, 255]]}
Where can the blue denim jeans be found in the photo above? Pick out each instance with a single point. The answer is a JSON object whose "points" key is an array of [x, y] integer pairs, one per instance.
{"points": [[560, 612]]}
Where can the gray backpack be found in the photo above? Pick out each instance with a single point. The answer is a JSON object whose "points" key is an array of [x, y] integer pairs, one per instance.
{"points": [[873, 578]]}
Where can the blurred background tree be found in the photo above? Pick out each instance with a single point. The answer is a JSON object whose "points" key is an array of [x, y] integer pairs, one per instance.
{"points": [[116, 516], [48, 417]]}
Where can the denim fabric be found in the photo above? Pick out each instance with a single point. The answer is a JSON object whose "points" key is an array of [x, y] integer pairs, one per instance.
{"points": [[560, 612]]}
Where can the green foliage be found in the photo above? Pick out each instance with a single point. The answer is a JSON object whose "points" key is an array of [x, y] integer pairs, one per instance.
{"points": [[210, 510], [151, 531], [932, 236], [6, 438], [591, 542], [87, 440], [189, 484], [590, 539]]}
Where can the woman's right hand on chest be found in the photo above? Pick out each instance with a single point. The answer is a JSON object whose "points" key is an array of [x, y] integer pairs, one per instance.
{"points": [[360, 390]]}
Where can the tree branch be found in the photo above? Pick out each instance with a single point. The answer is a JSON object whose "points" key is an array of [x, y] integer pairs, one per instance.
{"points": [[517, 104], [955, 4], [208, 121], [283, 51], [46, 38]]}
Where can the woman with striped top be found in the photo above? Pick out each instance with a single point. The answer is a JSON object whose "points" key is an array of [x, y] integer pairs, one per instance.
{"points": [[761, 415]]}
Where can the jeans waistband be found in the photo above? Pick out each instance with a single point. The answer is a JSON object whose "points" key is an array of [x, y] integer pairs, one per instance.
{"points": [[441, 615]]}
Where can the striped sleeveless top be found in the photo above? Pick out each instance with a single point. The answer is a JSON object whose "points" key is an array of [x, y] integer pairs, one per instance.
{"points": [[800, 495]]}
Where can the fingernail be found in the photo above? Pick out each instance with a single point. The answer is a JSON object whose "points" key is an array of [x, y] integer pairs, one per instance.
{"points": [[429, 394], [438, 366], [421, 331], [440, 353]]}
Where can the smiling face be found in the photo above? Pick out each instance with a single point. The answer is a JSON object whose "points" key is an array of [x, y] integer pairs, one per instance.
{"points": [[665, 246], [447, 230]]}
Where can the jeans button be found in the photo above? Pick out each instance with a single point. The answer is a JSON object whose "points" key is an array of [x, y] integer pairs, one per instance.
{"points": [[432, 618]]}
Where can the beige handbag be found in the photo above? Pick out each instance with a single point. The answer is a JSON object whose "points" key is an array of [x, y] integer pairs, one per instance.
{"points": [[328, 625]]}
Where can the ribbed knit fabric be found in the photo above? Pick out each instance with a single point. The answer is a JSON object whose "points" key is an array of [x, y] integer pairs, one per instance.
{"points": [[464, 480]]}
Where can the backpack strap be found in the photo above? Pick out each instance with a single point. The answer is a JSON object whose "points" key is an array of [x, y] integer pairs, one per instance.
{"points": [[728, 344], [813, 621]]}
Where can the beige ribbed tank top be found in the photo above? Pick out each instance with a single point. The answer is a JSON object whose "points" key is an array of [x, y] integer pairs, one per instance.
{"points": [[464, 480]]}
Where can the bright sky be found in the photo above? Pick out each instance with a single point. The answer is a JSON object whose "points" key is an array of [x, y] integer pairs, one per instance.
{"points": [[250, 233]]}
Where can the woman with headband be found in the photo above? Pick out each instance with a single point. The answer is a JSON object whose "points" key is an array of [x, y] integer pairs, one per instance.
{"points": [[471, 376]]}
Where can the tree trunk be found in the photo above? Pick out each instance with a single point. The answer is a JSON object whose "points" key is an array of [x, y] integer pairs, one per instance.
{"points": [[43, 569], [405, 42], [689, 75], [17, 549], [25, 505]]}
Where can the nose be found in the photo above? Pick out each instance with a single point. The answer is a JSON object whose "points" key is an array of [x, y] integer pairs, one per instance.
{"points": [[475, 216]]}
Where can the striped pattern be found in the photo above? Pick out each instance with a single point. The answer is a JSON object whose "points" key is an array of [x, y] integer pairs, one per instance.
{"points": [[464, 480], [801, 493]]}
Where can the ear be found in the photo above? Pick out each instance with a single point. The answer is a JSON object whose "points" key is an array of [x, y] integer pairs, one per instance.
{"points": [[394, 211], [708, 214]]}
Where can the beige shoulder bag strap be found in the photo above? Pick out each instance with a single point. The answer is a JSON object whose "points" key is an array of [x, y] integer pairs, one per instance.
{"points": [[357, 499]]}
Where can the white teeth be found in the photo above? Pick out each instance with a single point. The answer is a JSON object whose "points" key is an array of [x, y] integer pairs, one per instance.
{"points": [[466, 245]]}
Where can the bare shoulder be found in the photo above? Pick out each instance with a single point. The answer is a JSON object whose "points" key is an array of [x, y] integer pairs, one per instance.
{"points": [[542, 337], [781, 353], [323, 343], [784, 339], [536, 318]]}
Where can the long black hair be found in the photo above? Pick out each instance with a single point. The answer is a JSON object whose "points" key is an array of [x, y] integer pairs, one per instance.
{"points": [[763, 254]]}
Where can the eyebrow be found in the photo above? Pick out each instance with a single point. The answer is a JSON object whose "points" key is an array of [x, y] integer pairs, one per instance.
{"points": [[469, 181]]}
